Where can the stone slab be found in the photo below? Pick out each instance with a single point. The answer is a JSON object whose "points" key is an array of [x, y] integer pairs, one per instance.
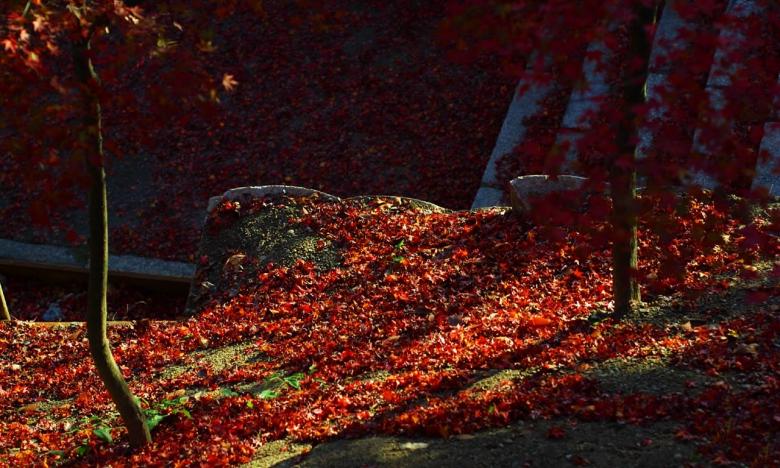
{"points": [[525, 189], [50, 257], [512, 129], [511, 134], [666, 38], [571, 138], [590, 91], [488, 196], [579, 109], [722, 67], [768, 168]]}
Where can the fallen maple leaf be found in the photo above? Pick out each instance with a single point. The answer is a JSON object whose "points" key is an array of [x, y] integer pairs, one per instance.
{"points": [[228, 82], [538, 321]]}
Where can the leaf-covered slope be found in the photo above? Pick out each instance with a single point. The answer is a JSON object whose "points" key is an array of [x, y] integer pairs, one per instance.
{"points": [[402, 321]]}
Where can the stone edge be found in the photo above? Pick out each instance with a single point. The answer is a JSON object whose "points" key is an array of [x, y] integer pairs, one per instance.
{"points": [[257, 191], [58, 257]]}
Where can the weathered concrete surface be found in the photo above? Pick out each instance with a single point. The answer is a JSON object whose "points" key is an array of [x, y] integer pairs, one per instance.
{"points": [[768, 168], [525, 189], [593, 88], [15, 254], [512, 132], [258, 191]]}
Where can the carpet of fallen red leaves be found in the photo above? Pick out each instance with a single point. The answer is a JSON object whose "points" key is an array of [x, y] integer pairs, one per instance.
{"points": [[433, 302], [347, 97]]}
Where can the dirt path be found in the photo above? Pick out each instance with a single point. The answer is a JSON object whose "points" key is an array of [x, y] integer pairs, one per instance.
{"points": [[520, 444]]}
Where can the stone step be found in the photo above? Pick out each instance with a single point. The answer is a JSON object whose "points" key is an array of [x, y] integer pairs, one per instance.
{"points": [[586, 100], [723, 67], [666, 39], [593, 89], [57, 262], [722, 74], [524, 104], [768, 167]]}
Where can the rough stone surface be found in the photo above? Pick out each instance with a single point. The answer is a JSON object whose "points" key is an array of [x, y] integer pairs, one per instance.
{"points": [[722, 67], [587, 96], [487, 196], [525, 189], [578, 111], [149, 266], [570, 138], [768, 169], [264, 190], [74, 260], [776, 103], [666, 37], [34, 253], [512, 132]]}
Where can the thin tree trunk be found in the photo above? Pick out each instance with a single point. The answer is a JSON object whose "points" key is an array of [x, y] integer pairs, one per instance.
{"points": [[128, 406], [624, 246], [4, 313], [623, 173]]}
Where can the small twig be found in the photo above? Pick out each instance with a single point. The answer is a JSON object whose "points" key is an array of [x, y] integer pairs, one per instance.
{"points": [[4, 313], [27, 8]]}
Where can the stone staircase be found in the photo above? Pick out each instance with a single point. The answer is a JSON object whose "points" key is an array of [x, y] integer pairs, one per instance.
{"points": [[585, 98]]}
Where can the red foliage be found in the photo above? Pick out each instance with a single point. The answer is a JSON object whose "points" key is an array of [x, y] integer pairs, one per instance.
{"points": [[711, 85], [468, 294], [388, 346], [336, 98]]}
